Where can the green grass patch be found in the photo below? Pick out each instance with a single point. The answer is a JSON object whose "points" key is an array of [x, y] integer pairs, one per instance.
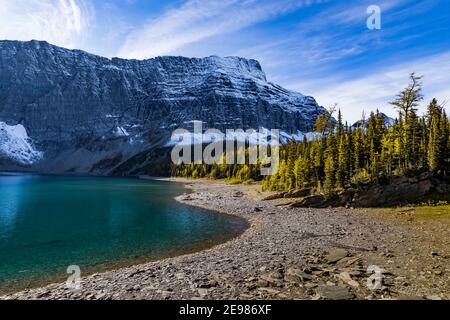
{"points": [[233, 181], [420, 211], [433, 211]]}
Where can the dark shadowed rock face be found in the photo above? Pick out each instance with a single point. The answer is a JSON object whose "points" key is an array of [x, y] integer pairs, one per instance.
{"points": [[88, 114], [402, 190]]}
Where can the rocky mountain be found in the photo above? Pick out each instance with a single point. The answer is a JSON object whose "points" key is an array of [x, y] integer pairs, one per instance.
{"points": [[67, 111], [388, 121]]}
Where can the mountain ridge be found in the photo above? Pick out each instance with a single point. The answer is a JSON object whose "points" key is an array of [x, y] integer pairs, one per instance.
{"points": [[91, 114]]}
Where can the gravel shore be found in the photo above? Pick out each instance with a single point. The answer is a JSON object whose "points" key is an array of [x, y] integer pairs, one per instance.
{"points": [[286, 253]]}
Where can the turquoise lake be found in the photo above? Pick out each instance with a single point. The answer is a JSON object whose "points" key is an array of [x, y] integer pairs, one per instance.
{"points": [[50, 223]]}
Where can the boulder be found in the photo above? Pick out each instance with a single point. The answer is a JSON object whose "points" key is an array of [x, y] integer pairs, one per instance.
{"points": [[298, 193], [346, 196], [279, 195], [314, 201], [346, 278], [335, 255], [273, 279], [334, 293], [295, 275], [398, 191]]}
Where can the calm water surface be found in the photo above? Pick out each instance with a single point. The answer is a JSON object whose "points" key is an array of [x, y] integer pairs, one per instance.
{"points": [[50, 223]]}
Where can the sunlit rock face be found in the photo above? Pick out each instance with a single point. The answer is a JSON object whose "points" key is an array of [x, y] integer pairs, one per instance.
{"points": [[88, 114]]}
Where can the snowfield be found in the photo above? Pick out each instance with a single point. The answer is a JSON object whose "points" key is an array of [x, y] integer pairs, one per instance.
{"points": [[15, 145]]}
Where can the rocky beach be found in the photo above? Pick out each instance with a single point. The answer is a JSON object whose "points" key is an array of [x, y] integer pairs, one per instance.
{"points": [[287, 253]]}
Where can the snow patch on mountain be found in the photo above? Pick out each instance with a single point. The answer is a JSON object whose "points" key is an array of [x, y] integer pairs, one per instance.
{"points": [[15, 145], [388, 121], [121, 132], [286, 138]]}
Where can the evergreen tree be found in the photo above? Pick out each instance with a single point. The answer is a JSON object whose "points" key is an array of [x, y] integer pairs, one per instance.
{"points": [[434, 147], [329, 183], [408, 99], [344, 155], [343, 161]]}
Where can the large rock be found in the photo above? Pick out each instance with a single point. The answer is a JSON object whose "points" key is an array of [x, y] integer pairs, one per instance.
{"points": [[273, 279], [313, 201], [89, 114], [334, 293], [298, 193], [296, 275], [275, 196], [397, 191], [400, 191], [346, 278], [335, 255]]}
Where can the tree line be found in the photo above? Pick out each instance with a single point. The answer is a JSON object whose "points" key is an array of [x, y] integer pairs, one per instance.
{"points": [[372, 150]]}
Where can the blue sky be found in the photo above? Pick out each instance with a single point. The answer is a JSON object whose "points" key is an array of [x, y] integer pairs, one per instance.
{"points": [[320, 48]]}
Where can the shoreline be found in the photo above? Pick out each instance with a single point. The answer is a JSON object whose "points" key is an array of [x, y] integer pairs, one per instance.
{"points": [[42, 282], [283, 254], [214, 243]]}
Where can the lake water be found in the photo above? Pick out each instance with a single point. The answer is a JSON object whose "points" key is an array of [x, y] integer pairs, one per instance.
{"points": [[50, 223]]}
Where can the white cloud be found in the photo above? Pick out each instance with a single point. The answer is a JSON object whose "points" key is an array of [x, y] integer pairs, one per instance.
{"points": [[313, 61], [61, 22], [376, 89], [196, 20], [321, 43]]}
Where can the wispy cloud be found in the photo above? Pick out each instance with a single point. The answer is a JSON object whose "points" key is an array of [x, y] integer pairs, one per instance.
{"points": [[197, 20], [345, 13], [375, 90], [321, 43], [333, 57], [61, 22]]}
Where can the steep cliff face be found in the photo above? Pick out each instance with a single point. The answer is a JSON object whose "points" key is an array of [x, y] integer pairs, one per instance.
{"points": [[88, 114]]}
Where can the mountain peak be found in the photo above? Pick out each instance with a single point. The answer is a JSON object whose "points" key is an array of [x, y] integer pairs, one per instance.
{"points": [[72, 103]]}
